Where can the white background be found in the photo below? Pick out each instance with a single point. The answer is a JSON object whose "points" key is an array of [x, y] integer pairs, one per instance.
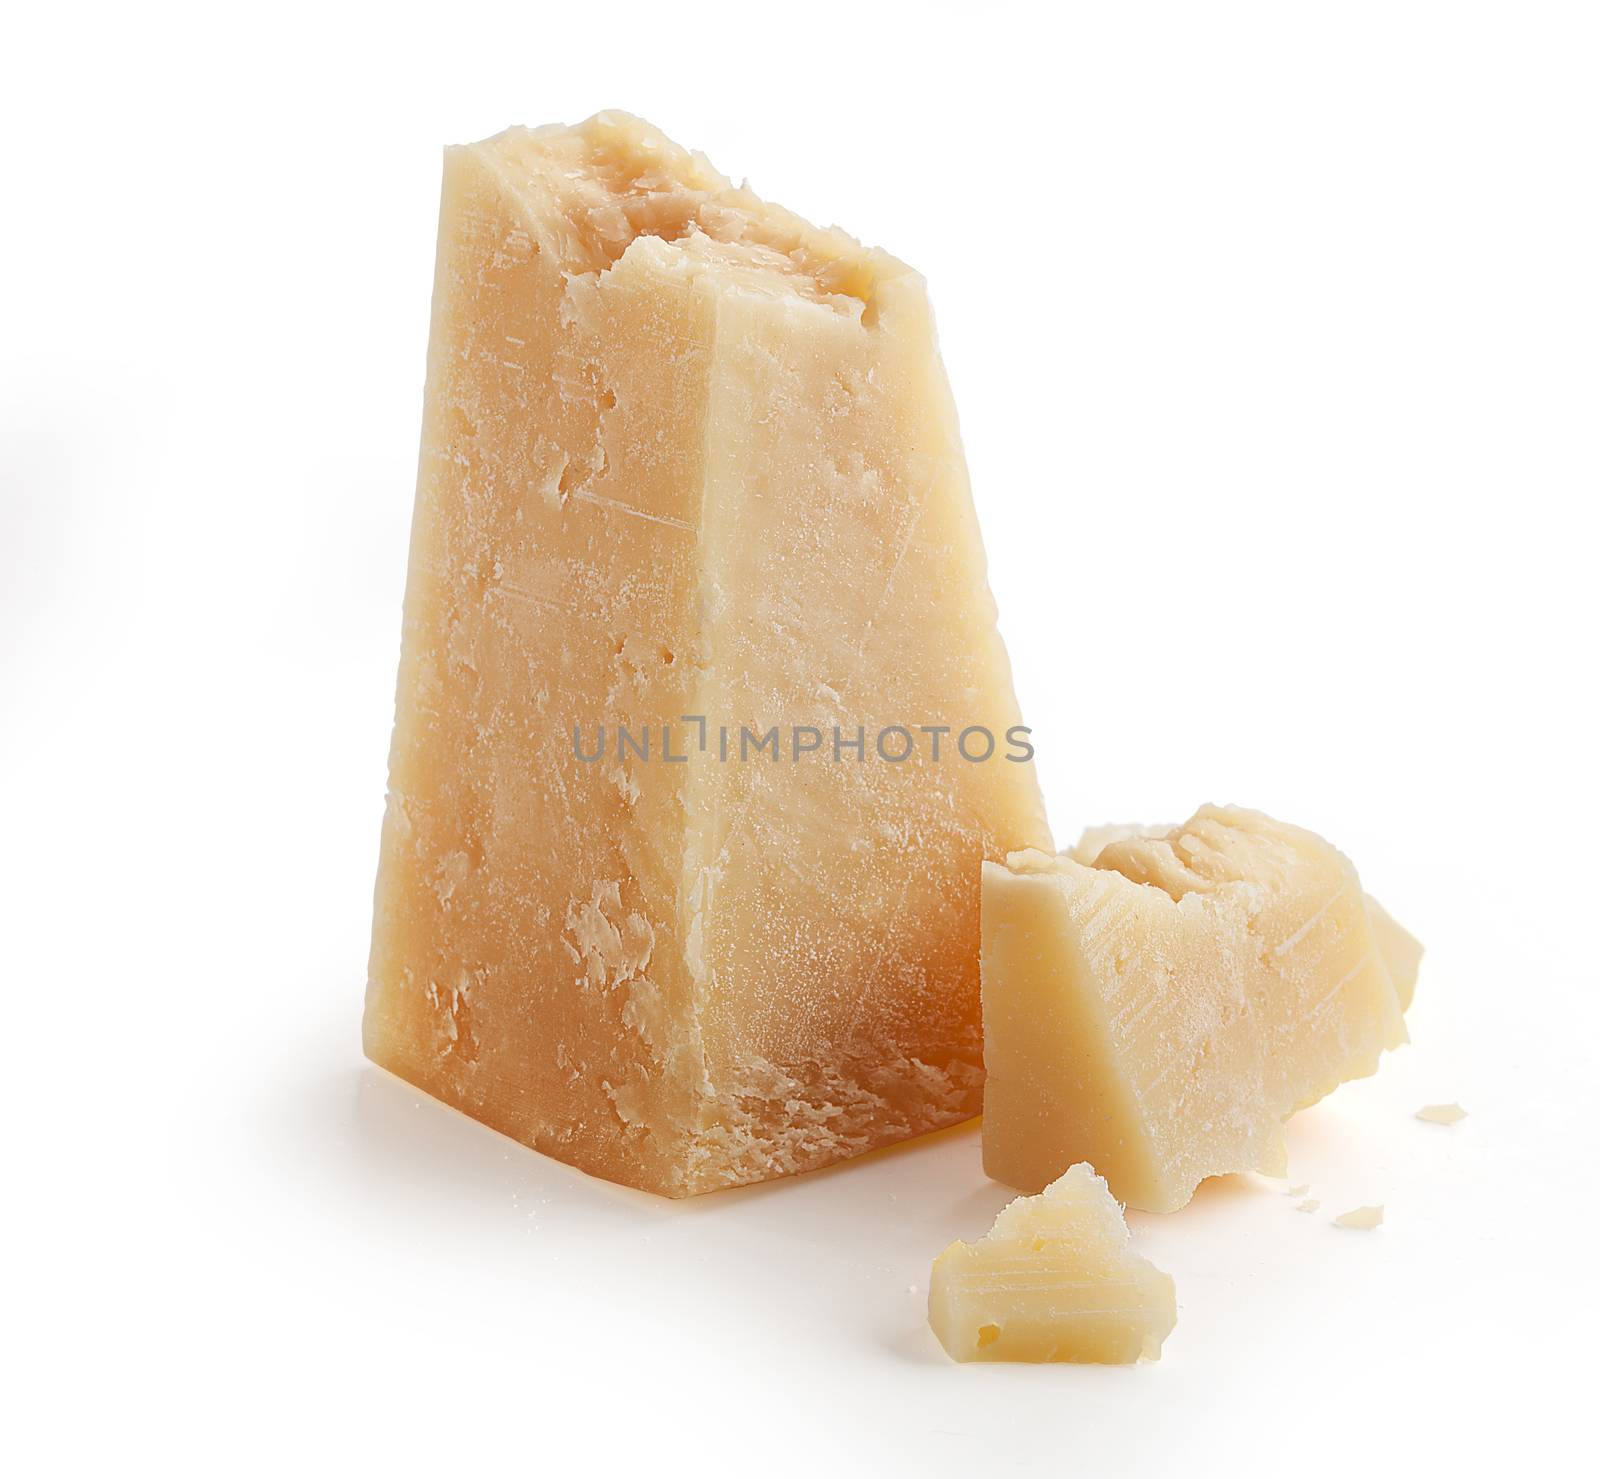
{"points": [[1275, 331]]}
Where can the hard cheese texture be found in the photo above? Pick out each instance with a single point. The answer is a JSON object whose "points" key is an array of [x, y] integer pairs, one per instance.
{"points": [[1401, 950], [1162, 1010], [684, 455], [1054, 1280]]}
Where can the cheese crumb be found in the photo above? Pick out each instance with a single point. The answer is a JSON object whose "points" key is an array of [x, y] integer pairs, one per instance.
{"points": [[1442, 1114], [1309, 1205], [1360, 1219], [1053, 1280]]}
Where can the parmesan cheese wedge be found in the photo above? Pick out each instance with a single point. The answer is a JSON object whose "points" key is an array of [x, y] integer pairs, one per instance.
{"points": [[704, 726]]}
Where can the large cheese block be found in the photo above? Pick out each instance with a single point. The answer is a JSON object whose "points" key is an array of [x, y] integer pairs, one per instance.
{"points": [[694, 564], [1053, 1280], [1161, 1010]]}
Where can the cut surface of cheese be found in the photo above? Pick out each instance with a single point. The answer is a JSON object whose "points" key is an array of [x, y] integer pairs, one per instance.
{"points": [[1402, 951], [1161, 1011], [694, 558], [1053, 1280]]}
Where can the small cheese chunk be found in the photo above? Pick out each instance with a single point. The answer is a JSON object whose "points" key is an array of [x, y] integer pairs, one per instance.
{"points": [[1360, 1219], [1053, 1280], [1162, 1011], [1442, 1114], [702, 725]]}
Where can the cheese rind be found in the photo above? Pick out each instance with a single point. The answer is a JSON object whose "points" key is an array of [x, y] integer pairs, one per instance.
{"points": [[684, 455], [1053, 1280], [1164, 1010]]}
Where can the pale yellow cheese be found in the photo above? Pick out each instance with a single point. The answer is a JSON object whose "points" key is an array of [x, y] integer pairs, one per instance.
{"points": [[685, 455], [1360, 1219], [1442, 1114], [1095, 840], [1402, 952], [1162, 1011], [1053, 1280]]}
